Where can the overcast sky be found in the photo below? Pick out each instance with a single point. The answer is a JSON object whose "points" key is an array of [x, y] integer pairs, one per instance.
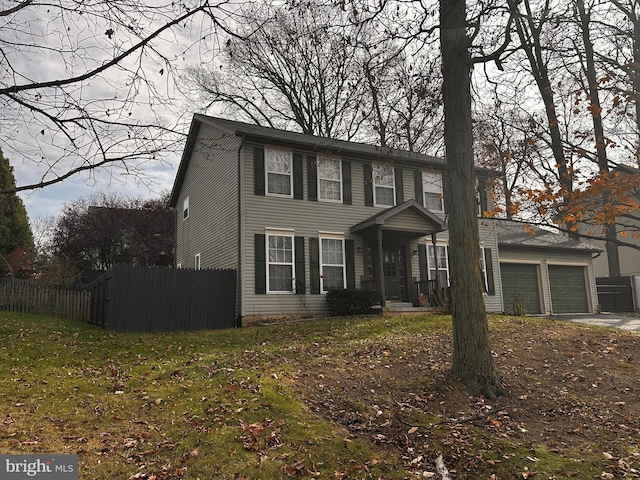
{"points": [[35, 148]]}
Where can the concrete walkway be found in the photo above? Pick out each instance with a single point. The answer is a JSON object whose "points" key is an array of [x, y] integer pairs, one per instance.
{"points": [[603, 319]]}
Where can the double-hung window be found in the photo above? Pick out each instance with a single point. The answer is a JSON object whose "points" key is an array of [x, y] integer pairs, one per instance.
{"points": [[432, 186], [332, 264], [384, 192], [329, 179], [185, 208], [279, 172], [439, 264], [442, 265], [280, 258]]}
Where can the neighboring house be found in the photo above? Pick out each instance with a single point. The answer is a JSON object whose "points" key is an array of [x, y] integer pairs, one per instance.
{"points": [[298, 215], [629, 257]]}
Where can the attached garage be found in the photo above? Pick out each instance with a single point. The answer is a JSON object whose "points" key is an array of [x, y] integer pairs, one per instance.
{"points": [[550, 272], [568, 289], [520, 283]]}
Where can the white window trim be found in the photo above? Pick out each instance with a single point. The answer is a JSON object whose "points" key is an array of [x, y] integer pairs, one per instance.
{"points": [[483, 270], [319, 178], [267, 171], [435, 259], [281, 232], [185, 208], [332, 236], [197, 261], [425, 191], [373, 181]]}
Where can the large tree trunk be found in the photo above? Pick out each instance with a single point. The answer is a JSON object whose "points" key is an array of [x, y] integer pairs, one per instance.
{"points": [[472, 361]]}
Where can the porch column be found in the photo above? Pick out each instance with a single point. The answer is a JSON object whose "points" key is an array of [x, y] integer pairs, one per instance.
{"points": [[383, 294]]}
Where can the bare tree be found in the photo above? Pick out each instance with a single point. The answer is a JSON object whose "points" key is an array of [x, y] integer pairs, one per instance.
{"points": [[83, 84], [295, 68]]}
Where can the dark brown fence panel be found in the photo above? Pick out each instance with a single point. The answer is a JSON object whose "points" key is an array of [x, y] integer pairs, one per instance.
{"points": [[139, 299], [615, 294], [29, 296]]}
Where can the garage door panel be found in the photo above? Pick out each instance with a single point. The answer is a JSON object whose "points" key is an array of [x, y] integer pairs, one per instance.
{"points": [[520, 281], [568, 289]]}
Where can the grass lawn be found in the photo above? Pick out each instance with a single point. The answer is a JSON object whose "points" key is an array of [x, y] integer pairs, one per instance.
{"points": [[354, 398]]}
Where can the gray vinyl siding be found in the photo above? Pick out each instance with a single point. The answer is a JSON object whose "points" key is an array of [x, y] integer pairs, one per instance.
{"points": [[211, 185], [307, 219], [545, 257], [405, 221]]}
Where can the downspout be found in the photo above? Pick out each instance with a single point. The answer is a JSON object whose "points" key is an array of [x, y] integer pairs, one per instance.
{"points": [[239, 280]]}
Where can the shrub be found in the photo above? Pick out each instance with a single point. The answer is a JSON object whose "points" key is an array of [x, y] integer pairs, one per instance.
{"points": [[351, 302]]}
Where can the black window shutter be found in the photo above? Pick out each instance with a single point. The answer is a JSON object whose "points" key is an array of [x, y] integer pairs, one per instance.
{"points": [[482, 194], [261, 264], [417, 180], [422, 258], [491, 289], [350, 261], [258, 170], [445, 190], [397, 173], [312, 177], [297, 176], [368, 185], [346, 183], [300, 274], [314, 264]]}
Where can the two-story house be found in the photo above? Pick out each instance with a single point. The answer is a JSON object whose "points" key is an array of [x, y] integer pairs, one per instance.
{"points": [[298, 215]]}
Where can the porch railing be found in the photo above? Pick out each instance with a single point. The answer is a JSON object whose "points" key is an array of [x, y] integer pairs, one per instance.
{"points": [[428, 294]]}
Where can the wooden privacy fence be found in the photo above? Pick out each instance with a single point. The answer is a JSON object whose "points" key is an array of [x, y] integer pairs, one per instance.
{"points": [[141, 299], [615, 294], [22, 295]]}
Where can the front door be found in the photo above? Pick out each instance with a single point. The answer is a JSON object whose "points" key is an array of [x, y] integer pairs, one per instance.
{"points": [[394, 264]]}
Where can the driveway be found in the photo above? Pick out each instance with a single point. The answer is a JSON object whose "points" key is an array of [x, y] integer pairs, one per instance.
{"points": [[603, 319]]}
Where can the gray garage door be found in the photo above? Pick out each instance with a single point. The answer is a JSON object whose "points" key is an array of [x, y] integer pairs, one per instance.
{"points": [[568, 289], [520, 281]]}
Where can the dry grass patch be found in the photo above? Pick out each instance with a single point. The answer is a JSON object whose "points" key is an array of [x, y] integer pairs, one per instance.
{"points": [[344, 398]]}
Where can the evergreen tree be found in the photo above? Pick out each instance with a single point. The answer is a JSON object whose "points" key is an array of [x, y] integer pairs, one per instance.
{"points": [[15, 232]]}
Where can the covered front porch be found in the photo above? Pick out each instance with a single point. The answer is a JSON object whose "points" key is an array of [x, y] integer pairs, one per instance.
{"points": [[394, 254]]}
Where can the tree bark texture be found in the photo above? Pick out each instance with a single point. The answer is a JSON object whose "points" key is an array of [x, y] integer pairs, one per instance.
{"points": [[472, 360]]}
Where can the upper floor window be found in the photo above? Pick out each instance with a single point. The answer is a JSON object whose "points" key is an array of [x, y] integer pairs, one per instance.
{"points": [[432, 187], [280, 267], [329, 179], [196, 264], [279, 172], [384, 193], [185, 208], [332, 267]]}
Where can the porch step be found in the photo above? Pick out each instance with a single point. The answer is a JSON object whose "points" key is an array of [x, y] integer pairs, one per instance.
{"points": [[407, 308], [398, 306]]}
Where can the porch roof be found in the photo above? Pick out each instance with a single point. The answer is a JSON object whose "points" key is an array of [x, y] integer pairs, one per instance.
{"points": [[423, 222]]}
